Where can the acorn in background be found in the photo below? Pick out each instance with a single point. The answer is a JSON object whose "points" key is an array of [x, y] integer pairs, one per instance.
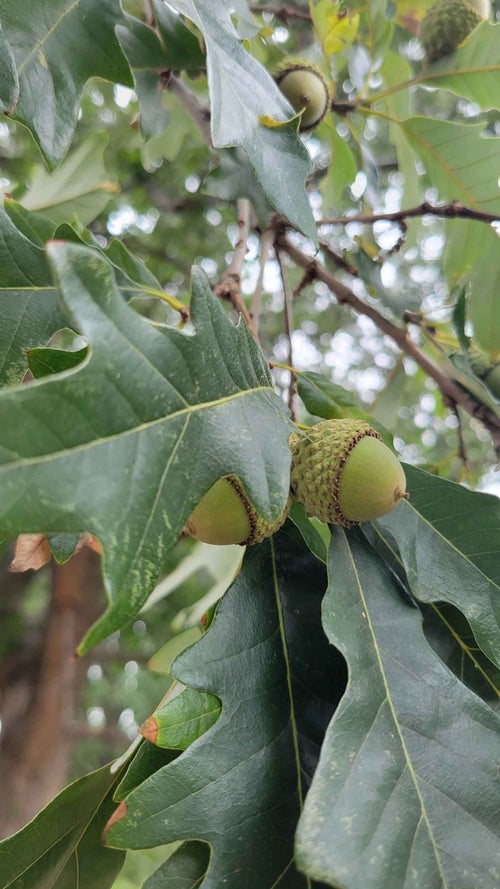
{"points": [[306, 89], [483, 367], [343, 473], [446, 25]]}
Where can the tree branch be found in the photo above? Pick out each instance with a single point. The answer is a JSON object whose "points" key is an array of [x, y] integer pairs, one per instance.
{"points": [[453, 210], [450, 389], [229, 286], [281, 12]]}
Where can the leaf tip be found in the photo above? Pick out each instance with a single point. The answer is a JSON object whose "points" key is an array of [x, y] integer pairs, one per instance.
{"points": [[119, 813], [149, 729]]}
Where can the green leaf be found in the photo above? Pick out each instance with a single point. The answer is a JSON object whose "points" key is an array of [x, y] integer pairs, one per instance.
{"points": [[34, 226], [473, 70], [309, 532], [58, 45], [184, 869], [239, 787], [183, 719], [183, 48], [147, 760], [79, 187], [9, 81], [406, 792], [44, 362], [29, 303], [447, 537], [450, 635], [61, 847], [460, 162], [62, 546], [163, 659], [330, 401], [241, 93], [472, 258], [115, 445]]}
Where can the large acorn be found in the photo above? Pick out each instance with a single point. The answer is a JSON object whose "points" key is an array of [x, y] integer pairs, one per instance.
{"points": [[225, 515], [343, 473], [446, 25], [306, 89]]}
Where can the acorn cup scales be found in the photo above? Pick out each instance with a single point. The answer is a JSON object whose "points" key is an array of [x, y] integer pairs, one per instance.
{"points": [[343, 473]]}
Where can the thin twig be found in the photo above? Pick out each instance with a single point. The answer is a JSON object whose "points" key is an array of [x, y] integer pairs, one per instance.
{"points": [[281, 12], [289, 327], [229, 286], [266, 244], [453, 210], [198, 112], [462, 447], [449, 388]]}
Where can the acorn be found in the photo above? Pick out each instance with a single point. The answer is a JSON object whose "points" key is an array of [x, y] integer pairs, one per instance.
{"points": [[343, 473], [225, 515], [306, 89], [483, 367], [446, 25]]}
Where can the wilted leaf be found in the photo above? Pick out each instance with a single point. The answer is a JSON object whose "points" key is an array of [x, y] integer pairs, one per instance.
{"points": [[32, 551]]}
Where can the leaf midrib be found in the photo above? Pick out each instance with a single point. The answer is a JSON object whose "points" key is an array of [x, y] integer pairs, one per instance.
{"points": [[136, 430], [404, 748], [46, 36]]}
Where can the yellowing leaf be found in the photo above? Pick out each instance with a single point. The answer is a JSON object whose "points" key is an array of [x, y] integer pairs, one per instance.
{"points": [[336, 29]]}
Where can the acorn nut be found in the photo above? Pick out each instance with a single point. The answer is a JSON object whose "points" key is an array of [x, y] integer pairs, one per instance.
{"points": [[225, 515], [343, 473], [306, 89], [446, 25]]}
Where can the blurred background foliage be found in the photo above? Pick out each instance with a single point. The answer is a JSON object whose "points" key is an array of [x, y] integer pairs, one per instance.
{"points": [[163, 195]]}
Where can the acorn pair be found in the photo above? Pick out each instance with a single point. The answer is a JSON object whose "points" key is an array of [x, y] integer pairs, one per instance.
{"points": [[342, 473]]}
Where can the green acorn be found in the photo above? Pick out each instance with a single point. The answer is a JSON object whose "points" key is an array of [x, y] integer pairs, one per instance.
{"points": [[306, 89], [446, 25], [343, 473], [225, 515], [489, 371]]}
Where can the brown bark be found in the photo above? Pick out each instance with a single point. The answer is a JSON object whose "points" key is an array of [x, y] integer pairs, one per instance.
{"points": [[39, 697]]}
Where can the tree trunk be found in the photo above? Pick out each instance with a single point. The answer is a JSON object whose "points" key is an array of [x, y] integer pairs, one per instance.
{"points": [[39, 699]]}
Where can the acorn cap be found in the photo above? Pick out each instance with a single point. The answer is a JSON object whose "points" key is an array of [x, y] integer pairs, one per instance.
{"points": [[303, 84], [479, 361], [226, 516], [343, 473], [445, 26]]}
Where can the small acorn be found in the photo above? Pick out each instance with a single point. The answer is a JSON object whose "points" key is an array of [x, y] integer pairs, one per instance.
{"points": [[343, 473], [225, 515], [306, 89], [446, 25], [484, 367]]}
